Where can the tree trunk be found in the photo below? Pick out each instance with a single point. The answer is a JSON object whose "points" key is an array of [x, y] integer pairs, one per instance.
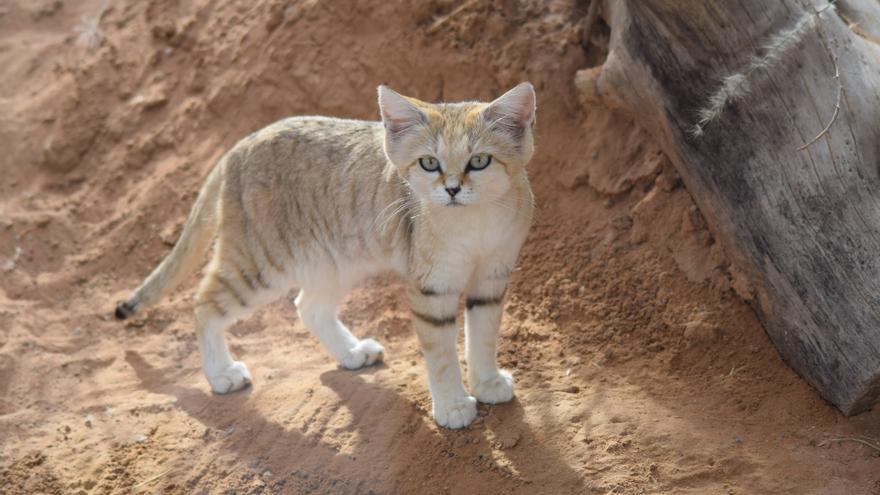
{"points": [[771, 113]]}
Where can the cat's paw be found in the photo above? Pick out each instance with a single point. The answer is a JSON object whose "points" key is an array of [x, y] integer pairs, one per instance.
{"points": [[495, 390], [365, 353], [235, 377], [456, 413]]}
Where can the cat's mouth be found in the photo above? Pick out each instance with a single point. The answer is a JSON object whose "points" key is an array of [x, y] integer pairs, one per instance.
{"points": [[453, 202]]}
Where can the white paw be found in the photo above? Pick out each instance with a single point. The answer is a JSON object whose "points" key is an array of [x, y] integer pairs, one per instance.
{"points": [[456, 413], [235, 377], [495, 390], [365, 353]]}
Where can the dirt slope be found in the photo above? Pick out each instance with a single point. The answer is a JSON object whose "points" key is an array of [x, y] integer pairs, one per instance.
{"points": [[639, 368]]}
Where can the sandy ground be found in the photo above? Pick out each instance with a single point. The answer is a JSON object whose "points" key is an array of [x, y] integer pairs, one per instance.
{"points": [[639, 368]]}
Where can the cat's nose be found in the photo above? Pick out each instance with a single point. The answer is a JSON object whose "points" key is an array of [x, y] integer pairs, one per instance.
{"points": [[453, 191]]}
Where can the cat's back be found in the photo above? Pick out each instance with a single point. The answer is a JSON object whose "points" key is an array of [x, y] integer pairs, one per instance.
{"points": [[322, 181], [318, 145]]}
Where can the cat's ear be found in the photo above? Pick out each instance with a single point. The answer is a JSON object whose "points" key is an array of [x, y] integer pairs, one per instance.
{"points": [[398, 113], [513, 112]]}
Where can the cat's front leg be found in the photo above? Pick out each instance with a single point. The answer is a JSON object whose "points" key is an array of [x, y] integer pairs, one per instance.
{"points": [[434, 312], [484, 305]]}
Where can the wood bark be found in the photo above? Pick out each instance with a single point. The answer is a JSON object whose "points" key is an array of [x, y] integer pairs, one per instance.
{"points": [[786, 173]]}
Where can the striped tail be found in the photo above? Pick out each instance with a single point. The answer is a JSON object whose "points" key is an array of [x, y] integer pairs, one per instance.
{"points": [[195, 240]]}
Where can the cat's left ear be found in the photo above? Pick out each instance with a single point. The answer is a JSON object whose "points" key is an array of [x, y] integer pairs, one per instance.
{"points": [[514, 111]]}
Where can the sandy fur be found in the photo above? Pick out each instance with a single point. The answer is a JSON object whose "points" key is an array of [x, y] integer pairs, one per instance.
{"points": [[320, 204]]}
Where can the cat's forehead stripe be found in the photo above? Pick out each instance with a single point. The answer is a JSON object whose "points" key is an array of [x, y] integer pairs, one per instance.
{"points": [[452, 146], [454, 127]]}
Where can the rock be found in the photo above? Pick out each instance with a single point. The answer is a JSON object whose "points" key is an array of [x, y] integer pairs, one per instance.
{"points": [[508, 440], [45, 9], [275, 18], [698, 331], [153, 97]]}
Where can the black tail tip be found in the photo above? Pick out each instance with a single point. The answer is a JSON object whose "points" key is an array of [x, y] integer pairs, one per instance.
{"points": [[124, 310]]}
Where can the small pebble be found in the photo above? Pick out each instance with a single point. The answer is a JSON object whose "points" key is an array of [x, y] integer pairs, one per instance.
{"points": [[509, 440]]}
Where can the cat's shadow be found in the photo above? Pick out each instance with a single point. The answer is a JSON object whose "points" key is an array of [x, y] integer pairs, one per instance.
{"points": [[501, 441], [383, 429]]}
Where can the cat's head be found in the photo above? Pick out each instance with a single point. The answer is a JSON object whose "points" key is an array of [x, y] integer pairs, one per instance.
{"points": [[459, 154]]}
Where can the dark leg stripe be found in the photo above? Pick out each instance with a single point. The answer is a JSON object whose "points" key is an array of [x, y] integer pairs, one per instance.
{"points": [[261, 280], [250, 257], [282, 229], [244, 278], [247, 256], [269, 259], [437, 322], [234, 293], [216, 306], [473, 302], [429, 292]]}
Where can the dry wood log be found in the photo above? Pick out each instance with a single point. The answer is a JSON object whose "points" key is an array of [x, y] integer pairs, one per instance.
{"points": [[771, 113]]}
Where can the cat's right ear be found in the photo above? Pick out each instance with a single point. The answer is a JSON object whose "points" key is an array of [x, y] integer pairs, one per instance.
{"points": [[398, 114]]}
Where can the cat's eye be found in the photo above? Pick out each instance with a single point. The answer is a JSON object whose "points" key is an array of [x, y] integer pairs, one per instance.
{"points": [[429, 163], [479, 162]]}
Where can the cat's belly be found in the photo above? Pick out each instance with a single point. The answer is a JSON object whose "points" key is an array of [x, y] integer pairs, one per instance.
{"points": [[329, 266]]}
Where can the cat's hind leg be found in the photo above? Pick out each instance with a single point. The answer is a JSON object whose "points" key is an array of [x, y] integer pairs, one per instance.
{"points": [[233, 287], [318, 308], [213, 315]]}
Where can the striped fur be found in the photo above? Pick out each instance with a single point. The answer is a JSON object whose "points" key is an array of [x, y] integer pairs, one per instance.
{"points": [[321, 203]]}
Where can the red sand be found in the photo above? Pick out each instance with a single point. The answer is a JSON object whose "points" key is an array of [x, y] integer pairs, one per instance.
{"points": [[639, 369]]}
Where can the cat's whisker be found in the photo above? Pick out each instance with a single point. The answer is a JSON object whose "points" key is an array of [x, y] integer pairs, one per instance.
{"points": [[396, 206], [405, 208], [399, 205]]}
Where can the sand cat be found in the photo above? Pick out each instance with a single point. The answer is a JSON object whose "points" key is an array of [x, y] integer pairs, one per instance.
{"points": [[435, 192]]}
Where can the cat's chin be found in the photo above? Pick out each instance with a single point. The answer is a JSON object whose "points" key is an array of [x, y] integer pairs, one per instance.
{"points": [[448, 205]]}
